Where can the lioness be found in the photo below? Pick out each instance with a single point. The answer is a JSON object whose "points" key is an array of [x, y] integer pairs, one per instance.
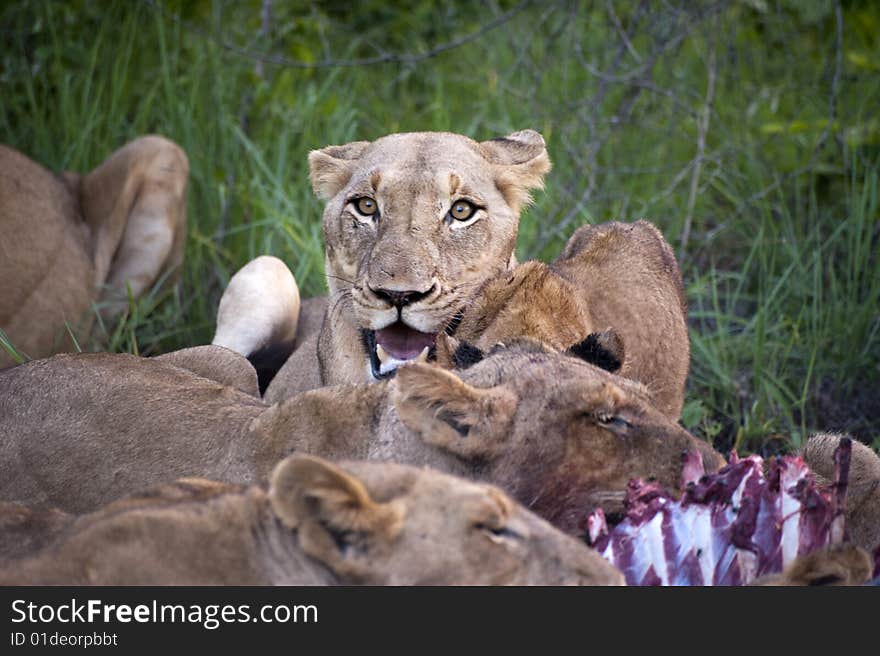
{"points": [[71, 241], [318, 524], [841, 564], [863, 489], [614, 275], [559, 434], [414, 224]]}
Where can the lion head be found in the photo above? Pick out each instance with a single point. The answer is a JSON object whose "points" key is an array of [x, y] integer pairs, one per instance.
{"points": [[414, 224], [558, 433], [384, 523], [318, 523]]}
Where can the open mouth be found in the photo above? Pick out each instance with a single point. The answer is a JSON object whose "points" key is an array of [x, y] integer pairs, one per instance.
{"points": [[395, 345]]}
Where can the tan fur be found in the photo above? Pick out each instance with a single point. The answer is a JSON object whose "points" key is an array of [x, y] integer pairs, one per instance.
{"points": [[614, 275], [863, 491], [547, 428], [70, 242], [414, 178], [259, 307], [318, 524], [843, 564], [300, 372], [216, 363], [530, 300], [25, 531], [629, 279], [311, 317]]}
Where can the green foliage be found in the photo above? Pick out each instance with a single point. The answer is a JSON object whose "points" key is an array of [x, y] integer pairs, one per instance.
{"points": [[747, 131], [799, 315]]}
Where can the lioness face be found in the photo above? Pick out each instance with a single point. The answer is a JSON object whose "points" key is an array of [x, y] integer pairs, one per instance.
{"points": [[414, 224], [475, 534], [387, 524], [318, 523], [559, 434]]}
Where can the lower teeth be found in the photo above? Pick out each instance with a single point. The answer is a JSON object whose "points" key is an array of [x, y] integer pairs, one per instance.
{"points": [[388, 362]]}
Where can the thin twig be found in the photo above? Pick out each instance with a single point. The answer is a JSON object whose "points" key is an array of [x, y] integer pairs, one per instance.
{"points": [[621, 32], [244, 111], [702, 130], [832, 115], [636, 80], [384, 58]]}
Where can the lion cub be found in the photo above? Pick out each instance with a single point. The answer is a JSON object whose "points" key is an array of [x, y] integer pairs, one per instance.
{"points": [[317, 524], [615, 276]]}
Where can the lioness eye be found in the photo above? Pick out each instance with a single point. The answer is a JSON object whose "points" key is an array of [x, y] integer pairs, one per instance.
{"points": [[612, 421], [366, 206], [500, 531], [462, 210]]}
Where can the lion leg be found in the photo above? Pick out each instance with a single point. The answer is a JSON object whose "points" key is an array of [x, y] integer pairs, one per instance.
{"points": [[135, 205], [46, 270], [259, 314]]}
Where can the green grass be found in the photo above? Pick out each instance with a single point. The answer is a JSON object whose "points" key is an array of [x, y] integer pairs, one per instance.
{"points": [[781, 263], [800, 313]]}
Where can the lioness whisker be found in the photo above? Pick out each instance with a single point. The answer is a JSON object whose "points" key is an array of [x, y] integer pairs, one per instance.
{"points": [[350, 282]]}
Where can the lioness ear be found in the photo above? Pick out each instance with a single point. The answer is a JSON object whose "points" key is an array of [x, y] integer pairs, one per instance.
{"points": [[605, 350], [336, 519], [470, 422], [330, 168], [521, 162]]}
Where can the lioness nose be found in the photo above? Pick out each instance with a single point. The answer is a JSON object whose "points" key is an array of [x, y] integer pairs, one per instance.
{"points": [[400, 298]]}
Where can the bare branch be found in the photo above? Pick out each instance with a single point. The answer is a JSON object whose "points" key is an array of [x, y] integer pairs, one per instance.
{"points": [[384, 58], [244, 111], [702, 130], [620, 31], [832, 115]]}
